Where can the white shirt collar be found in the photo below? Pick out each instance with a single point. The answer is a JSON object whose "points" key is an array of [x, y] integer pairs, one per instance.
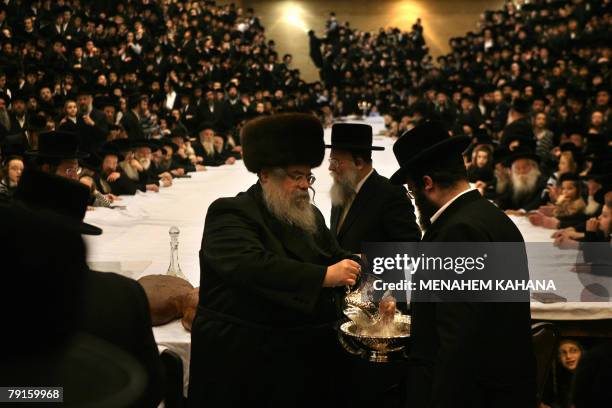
{"points": [[448, 203], [363, 180]]}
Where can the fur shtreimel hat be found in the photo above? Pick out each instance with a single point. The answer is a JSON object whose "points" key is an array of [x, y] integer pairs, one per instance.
{"points": [[282, 140]]}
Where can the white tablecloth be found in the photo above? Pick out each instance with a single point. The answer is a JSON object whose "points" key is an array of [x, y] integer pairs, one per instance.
{"points": [[135, 241]]}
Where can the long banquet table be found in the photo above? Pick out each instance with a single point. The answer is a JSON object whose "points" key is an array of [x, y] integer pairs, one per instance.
{"points": [[135, 241]]}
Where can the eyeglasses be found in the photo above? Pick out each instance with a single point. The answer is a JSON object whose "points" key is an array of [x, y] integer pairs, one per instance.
{"points": [[299, 178], [73, 171]]}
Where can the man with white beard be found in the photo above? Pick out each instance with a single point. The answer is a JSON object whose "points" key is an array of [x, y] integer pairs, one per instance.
{"points": [[526, 183], [365, 205], [271, 278], [143, 152]]}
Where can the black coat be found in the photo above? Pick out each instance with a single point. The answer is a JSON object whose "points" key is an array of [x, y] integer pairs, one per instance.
{"points": [[116, 309], [263, 333], [122, 186], [131, 124], [472, 354], [380, 212]]}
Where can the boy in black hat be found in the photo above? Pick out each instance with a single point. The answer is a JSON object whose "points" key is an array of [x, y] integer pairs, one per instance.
{"points": [[455, 362]]}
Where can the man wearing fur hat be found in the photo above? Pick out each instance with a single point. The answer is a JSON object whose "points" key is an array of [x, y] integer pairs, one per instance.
{"points": [[271, 276], [458, 359]]}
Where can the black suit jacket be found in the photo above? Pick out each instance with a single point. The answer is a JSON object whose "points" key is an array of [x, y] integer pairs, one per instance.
{"points": [[116, 309], [263, 331], [132, 126], [380, 212], [472, 354]]}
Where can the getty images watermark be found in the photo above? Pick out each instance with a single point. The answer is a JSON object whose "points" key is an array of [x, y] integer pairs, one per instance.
{"points": [[487, 272]]}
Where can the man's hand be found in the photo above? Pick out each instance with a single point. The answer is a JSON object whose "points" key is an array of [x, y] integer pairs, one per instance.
{"points": [[114, 176], [153, 187], [547, 210], [592, 224], [199, 167], [562, 242], [178, 172], [230, 160], [342, 273], [88, 121]]}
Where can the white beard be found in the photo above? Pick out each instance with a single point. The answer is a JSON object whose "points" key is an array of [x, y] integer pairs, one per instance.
{"points": [[344, 188], [524, 184], [146, 163], [295, 210]]}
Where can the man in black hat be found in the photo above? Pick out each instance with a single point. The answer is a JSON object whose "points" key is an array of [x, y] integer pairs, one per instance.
{"points": [[19, 117], [91, 122], [137, 105], [520, 127], [143, 153], [58, 153], [526, 183], [458, 360], [271, 272], [114, 308], [365, 206]]}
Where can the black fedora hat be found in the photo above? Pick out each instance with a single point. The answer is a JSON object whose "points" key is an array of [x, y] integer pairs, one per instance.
{"points": [[170, 143], [352, 136], [60, 195], [37, 123], [522, 152], [50, 257], [59, 145], [110, 149], [421, 143]]}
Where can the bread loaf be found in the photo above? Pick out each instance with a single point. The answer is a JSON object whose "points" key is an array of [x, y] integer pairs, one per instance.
{"points": [[165, 294]]}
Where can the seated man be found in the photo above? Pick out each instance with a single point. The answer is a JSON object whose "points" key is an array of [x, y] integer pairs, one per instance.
{"points": [[112, 179], [206, 151], [143, 153], [526, 184], [114, 308]]}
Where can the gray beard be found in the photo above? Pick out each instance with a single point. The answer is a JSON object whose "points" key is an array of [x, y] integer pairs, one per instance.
{"points": [[344, 189], [525, 184], [294, 210]]}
